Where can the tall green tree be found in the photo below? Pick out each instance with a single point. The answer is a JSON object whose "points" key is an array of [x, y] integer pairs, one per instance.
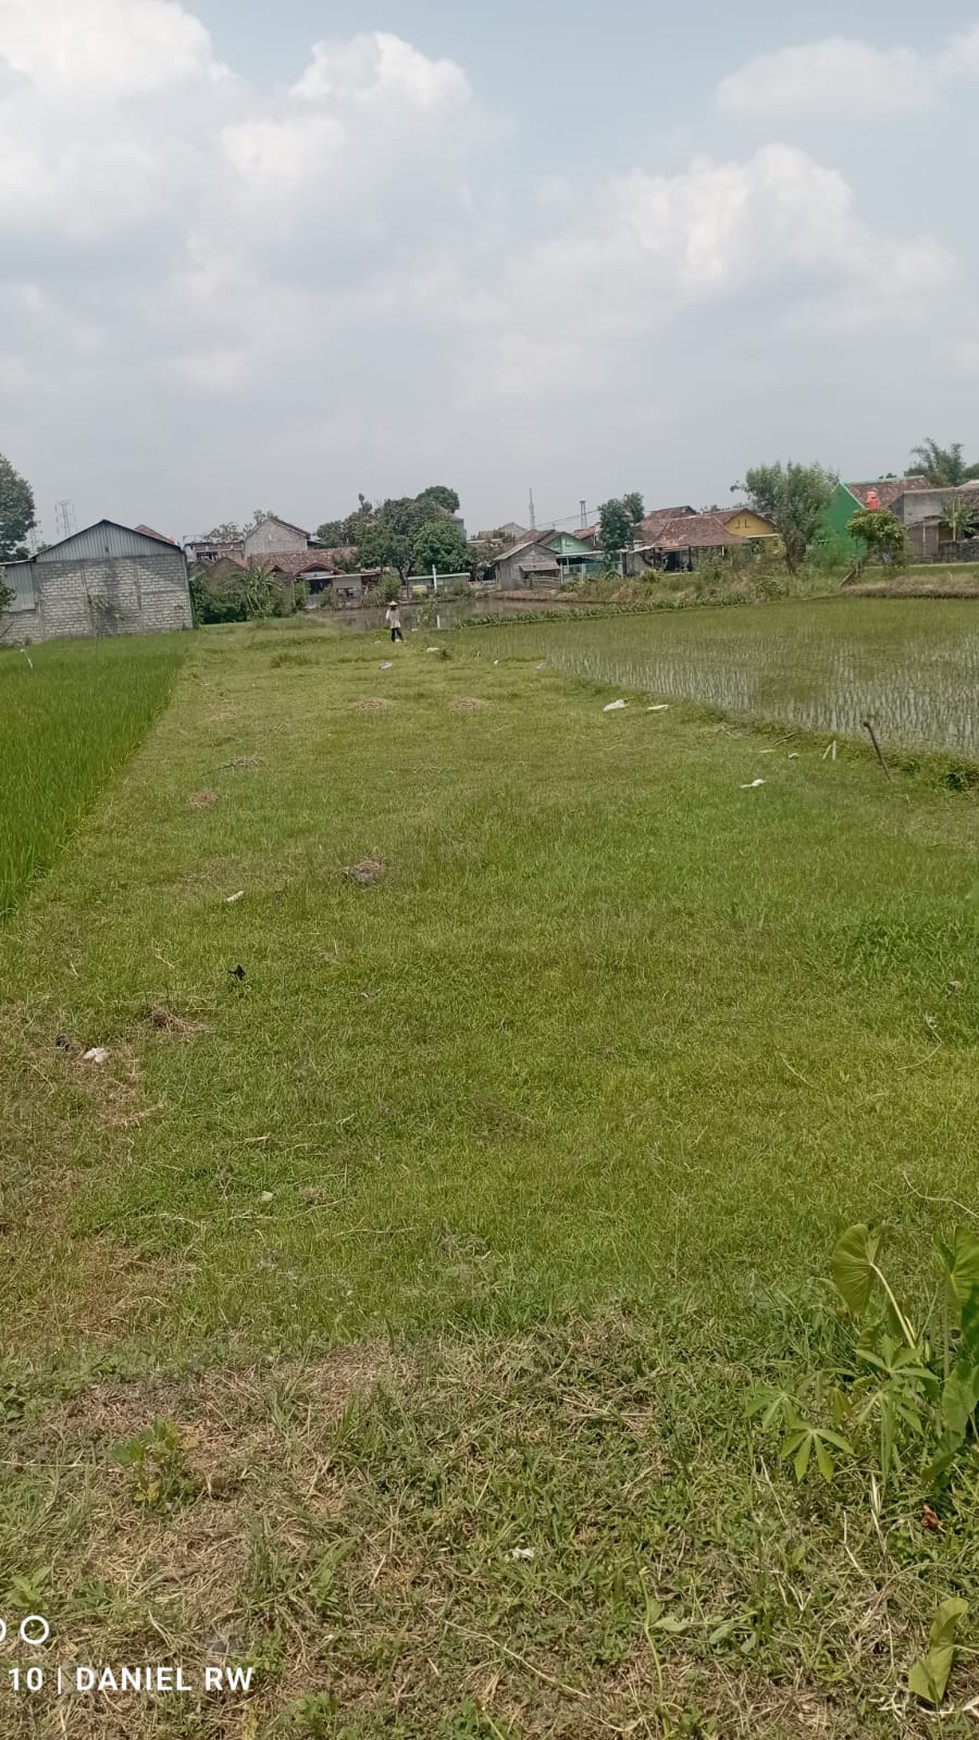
{"points": [[633, 504], [410, 533], [440, 545], [795, 498], [616, 526], [943, 467], [17, 513], [440, 497]]}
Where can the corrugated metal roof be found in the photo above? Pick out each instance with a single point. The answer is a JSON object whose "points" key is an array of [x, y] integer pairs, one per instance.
{"points": [[107, 538]]}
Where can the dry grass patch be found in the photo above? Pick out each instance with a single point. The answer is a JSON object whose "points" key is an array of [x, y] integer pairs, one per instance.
{"points": [[374, 704], [202, 800], [549, 1537], [468, 704], [174, 1026]]}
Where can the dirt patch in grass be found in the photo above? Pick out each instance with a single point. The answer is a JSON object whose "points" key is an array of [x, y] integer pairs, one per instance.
{"points": [[367, 873], [468, 704], [202, 800], [174, 1026], [114, 1088], [374, 704]]}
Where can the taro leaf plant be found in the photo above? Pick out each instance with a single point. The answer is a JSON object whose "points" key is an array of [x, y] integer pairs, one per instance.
{"points": [[928, 1679]]}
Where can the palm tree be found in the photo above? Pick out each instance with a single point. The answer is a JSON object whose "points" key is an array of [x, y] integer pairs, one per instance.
{"points": [[942, 467]]}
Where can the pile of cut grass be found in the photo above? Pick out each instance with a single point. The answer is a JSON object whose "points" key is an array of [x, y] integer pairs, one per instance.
{"points": [[70, 714]]}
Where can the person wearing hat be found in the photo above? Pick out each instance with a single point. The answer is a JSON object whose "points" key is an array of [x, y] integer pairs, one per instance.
{"points": [[393, 620]]}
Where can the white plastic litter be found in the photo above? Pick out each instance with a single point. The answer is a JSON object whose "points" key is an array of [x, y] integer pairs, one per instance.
{"points": [[663, 707], [752, 784], [525, 1553], [387, 665], [98, 1054], [233, 897], [541, 667], [266, 1196], [794, 756], [615, 706], [433, 649]]}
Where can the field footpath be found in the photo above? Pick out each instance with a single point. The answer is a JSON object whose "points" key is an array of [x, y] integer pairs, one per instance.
{"points": [[446, 1211]]}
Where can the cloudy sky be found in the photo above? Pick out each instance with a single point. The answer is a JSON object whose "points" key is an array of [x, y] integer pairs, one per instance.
{"points": [[273, 255]]}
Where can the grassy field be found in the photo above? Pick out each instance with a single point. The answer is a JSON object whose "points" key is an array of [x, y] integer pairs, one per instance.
{"points": [[446, 1215], [828, 665], [69, 716]]}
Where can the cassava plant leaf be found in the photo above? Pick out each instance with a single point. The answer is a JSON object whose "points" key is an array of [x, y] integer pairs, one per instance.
{"points": [[853, 1267], [928, 1679]]}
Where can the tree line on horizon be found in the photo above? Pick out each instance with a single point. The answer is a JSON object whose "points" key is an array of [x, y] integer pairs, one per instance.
{"points": [[414, 534]]}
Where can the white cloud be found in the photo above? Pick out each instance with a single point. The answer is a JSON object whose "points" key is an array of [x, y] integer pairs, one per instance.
{"points": [[93, 49], [658, 248], [212, 292], [844, 75]]}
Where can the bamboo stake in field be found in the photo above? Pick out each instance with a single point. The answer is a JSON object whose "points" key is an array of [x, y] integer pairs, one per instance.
{"points": [[873, 738]]}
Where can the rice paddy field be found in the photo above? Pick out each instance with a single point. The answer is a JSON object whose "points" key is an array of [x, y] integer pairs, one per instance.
{"points": [[69, 716], [825, 665], [431, 1103]]}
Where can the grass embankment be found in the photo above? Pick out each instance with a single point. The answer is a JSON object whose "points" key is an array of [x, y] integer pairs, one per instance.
{"points": [[70, 714], [545, 1123]]}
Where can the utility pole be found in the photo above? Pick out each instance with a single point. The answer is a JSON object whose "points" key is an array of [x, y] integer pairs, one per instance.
{"points": [[584, 515], [533, 513]]}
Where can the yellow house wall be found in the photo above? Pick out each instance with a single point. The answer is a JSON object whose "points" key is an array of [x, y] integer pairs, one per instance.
{"points": [[749, 525]]}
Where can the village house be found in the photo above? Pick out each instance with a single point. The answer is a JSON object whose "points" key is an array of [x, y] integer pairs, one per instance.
{"points": [[936, 532], [545, 558], [894, 493], [291, 555], [107, 579], [679, 539]]}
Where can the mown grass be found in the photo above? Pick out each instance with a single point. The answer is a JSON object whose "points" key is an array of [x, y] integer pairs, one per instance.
{"points": [[70, 714], [548, 1125]]}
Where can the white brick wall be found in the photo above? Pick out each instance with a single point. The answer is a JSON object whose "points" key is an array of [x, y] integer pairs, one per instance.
{"points": [[119, 595]]}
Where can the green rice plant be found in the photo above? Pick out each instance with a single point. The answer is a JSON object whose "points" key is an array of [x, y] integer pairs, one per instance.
{"points": [[70, 715], [822, 665]]}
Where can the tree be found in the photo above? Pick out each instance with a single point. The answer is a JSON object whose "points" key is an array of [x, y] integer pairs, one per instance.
{"points": [[616, 527], [633, 504], [880, 532], [795, 498], [228, 532], [440, 497], [341, 534], [17, 514], [959, 519], [441, 545], [942, 467]]}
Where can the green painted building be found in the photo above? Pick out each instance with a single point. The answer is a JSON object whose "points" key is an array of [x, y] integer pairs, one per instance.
{"points": [[848, 498], [575, 559]]}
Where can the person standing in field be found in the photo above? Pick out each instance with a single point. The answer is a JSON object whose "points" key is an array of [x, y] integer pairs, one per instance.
{"points": [[393, 620]]}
